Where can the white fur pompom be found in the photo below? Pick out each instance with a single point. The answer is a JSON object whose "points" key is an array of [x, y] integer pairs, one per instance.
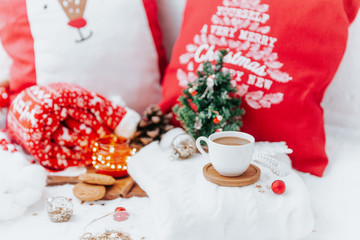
{"points": [[21, 183]]}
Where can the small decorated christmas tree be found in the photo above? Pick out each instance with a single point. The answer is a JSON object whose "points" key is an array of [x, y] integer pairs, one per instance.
{"points": [[209, 104]]}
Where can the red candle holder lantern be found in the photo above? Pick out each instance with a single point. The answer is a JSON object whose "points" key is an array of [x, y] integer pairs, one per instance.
{"points": [[110, 156]]}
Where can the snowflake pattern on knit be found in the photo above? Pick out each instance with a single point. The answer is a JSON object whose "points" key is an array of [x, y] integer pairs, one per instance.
{"points": [[239, 26]]}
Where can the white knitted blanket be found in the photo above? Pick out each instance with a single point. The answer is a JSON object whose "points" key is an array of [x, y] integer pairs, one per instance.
{"points": [[186, 206]]}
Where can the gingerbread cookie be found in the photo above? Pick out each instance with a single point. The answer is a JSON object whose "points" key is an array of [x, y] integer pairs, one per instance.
{"points": [[95, 178], [88, 192]]}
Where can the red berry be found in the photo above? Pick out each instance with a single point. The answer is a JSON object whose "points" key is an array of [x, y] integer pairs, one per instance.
{"points": [[278, 187], [120, 209], [217, 119]]}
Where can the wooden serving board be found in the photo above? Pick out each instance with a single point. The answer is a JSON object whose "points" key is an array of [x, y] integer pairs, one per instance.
{"points": [[123, 187], [250, 176], [61, 180]]}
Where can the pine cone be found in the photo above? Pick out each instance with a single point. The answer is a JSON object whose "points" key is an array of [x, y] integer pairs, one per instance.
{"points": [[151, 127]]}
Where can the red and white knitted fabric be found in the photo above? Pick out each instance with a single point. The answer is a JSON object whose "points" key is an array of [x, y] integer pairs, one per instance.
{"points": [[57, 123]]}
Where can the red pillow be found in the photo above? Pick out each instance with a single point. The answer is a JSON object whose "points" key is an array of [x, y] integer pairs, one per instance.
{"points": [[102, 46], [283, 55]]}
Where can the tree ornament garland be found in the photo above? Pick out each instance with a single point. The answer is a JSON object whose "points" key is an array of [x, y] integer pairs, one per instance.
{"points": [[151, 127], [208, 104]]}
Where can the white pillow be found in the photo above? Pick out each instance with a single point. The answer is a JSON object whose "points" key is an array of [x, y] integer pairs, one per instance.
{"points": [[170, 18], [110, 47], [342, 99]]}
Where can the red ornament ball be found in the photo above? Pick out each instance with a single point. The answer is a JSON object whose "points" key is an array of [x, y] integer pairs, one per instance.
{"points": [[120, 209], [278, 187], [217, 119], [192, 91]]}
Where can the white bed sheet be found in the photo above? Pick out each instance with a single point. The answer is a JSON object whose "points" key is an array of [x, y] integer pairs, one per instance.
{"points": [[335, 203]]}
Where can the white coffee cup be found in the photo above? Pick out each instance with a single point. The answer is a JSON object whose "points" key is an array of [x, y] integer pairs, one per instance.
{"points": [[228, 160]]}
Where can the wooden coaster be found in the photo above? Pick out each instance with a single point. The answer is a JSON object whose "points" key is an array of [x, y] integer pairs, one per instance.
{"points": [[250, 176]]}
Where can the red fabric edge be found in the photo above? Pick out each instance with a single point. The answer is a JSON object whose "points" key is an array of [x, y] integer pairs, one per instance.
{"points": [[351, 8], [19, 45], [152, 15]]}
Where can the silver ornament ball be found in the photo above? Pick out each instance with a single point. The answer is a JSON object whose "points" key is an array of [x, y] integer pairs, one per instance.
{"points": [[184, 145]]}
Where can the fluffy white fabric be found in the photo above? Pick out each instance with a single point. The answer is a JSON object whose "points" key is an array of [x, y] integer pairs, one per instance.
{"points": [[186, 206], [21, 184], [335, 197], [36, 225], [342, 98], [127, 126], [334, 202]]}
